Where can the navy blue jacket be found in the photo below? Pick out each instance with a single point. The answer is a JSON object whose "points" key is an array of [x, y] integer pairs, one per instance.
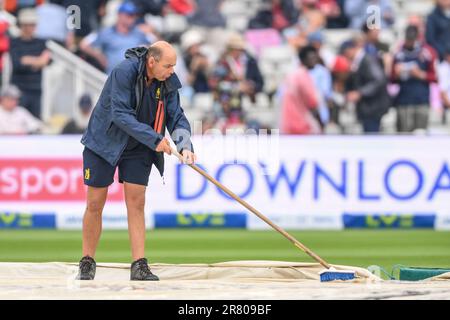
{"points": [[438, 31], [414, 91], [114, 118]]}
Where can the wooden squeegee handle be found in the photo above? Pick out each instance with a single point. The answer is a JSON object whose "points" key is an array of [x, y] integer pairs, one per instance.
{"points": [[297, 243]]}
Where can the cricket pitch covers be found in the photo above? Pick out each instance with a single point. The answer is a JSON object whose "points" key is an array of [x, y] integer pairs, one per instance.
{"points": [[228, 280]]}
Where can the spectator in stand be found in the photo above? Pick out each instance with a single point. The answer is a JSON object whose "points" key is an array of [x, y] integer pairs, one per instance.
{"points": [[14, 6], [207, 14], [109, 45], [322, 82], [92, 12], [196, 62], [326, 55], [438, 26], [367, 86], [311, 20], [361, 12], [375, 48], [13, 118], [340, 72], [52, 22], [275, 14], [414, 71], [4, 44], [413, 20], [236, 74], [299, 102], [79, 125], [444, 81], [29, 57], [418, 21]]}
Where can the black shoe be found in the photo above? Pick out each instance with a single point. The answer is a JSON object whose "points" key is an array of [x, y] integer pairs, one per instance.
{"points": [[141, 272], [86, 269]]}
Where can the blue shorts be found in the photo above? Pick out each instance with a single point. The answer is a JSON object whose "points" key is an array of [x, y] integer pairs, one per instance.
{"points": [[134, 167]]}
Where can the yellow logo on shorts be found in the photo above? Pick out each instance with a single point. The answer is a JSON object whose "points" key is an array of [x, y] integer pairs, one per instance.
{"points": [[87, 174]]}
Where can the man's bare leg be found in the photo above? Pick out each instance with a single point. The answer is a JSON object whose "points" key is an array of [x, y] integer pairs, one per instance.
{"points": [[135, 201], [92, 221]]}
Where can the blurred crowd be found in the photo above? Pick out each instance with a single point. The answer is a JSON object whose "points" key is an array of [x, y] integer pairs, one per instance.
{"points": [[363, 74]]}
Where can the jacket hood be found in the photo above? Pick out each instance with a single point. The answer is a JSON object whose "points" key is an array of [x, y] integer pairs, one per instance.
{"points": [[137, 52]]}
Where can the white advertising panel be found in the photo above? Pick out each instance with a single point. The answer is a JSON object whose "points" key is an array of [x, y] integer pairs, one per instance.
{"points": [[305, 182]]}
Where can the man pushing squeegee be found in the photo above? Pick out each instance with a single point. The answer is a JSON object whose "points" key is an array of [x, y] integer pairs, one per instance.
{"points": [[139, 101]]}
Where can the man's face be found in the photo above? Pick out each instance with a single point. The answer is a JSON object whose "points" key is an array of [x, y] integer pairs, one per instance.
{"points": [[235, 53], [126, 20], [28, 29], [373, 35], [350, 53], [409, 43], [9, 103], [163, 68], [411, 36], [311, 60]]}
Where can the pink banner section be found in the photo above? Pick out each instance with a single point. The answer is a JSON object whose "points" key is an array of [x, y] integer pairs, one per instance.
{"points": [[46, 179]]}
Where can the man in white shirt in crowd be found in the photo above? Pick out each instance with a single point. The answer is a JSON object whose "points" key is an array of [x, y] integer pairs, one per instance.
{"points": [[15, 119]]}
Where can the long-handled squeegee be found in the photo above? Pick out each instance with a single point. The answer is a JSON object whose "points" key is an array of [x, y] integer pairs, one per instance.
{"points": [[330, 274]]}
